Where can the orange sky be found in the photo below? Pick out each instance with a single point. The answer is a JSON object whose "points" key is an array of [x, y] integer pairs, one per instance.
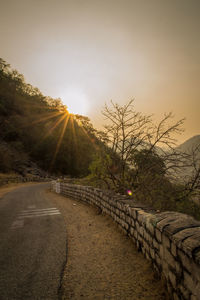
{"points": [[88, 52]]}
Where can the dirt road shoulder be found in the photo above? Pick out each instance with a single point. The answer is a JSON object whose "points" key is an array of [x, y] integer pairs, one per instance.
{"points": [[102, 262]]}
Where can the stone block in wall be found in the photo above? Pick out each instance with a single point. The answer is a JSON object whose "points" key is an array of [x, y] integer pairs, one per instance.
{"points": [[141, 231], [112, 209], [165, 268], [184, 222], [117, 211], [162, 215], [155, 244], [185, 261], [158, 235], [172, 278], [147, 256], [135, 212], [184, 292], [132, 222], [140, 239], [126, 226], [190, 244], [158, 260], [166, 241], [135, 234], [150, 223], [152, 253], [131, 230], [164, 219], [178, 269], [125, 202], [132, 213], [137, 225], [128, 219], [143, 217], [103, 203], [173, 249], [112, 214], [188, 282], [115, 218], [161, 251], [169, 258], [128, 210], [103, 210], [119, 205], [112, 203], [120, 221], [148, 238], [122, 215]]}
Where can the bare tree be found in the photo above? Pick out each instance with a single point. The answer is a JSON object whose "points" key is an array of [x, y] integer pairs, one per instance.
{"points": [[143, 155], [126, 131]]}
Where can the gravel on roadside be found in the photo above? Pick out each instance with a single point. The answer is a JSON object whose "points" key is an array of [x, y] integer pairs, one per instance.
{"points": [[102, 263]]}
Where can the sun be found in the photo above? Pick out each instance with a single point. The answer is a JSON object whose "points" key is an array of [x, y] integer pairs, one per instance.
{"points": [[76, 101]]}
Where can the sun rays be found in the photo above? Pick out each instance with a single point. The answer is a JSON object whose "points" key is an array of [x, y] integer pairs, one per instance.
{"points": [[46, 117], [62, 125], [66, 119]]}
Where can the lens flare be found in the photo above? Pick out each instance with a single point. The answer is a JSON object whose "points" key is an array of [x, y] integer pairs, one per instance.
{"points": [[129, 192]]}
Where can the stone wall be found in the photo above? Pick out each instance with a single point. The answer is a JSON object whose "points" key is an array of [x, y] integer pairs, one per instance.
{"points": [[170, 240]]}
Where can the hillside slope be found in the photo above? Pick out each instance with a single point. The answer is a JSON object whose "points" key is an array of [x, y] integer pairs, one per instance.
{"points": [[35, 129], [190, 147], [189, 144]]}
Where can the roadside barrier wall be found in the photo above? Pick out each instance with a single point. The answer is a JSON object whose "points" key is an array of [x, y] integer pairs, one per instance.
{"points": [[170, 240]]}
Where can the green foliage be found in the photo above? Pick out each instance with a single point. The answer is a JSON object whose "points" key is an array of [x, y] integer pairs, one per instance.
{"points": [[148, 161], [99, 168], [57, 141]]}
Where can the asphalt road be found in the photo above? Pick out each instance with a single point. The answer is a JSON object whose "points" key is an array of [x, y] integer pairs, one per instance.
{"points": [[32, 245]]}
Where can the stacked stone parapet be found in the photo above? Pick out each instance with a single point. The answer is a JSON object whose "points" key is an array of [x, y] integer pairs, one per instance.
{"points": [[170, 240]]}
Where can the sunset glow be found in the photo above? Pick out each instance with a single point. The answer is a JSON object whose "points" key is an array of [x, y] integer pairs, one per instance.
{"points": [[89, 52], [75, 100]]}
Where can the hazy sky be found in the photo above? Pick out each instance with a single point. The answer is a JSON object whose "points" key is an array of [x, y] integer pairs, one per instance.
{"points": [[88, 52]]}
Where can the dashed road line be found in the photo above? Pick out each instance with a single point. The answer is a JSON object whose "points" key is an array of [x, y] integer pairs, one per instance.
{"points": [[17, 224], [39, 215], [33, 213], [39, 210]]}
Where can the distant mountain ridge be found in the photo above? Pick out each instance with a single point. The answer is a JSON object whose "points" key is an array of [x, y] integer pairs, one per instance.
{"points": [[189, 144], [191, 147]]}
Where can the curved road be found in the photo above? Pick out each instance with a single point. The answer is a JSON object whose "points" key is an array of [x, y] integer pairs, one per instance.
{"points": [[32, 245], [102, 262]]}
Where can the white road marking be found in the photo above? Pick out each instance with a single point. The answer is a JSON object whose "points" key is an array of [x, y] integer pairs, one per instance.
{"points": [[39, 215], [40, 210], [31, 206], [17, 224], [32, 213]]}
